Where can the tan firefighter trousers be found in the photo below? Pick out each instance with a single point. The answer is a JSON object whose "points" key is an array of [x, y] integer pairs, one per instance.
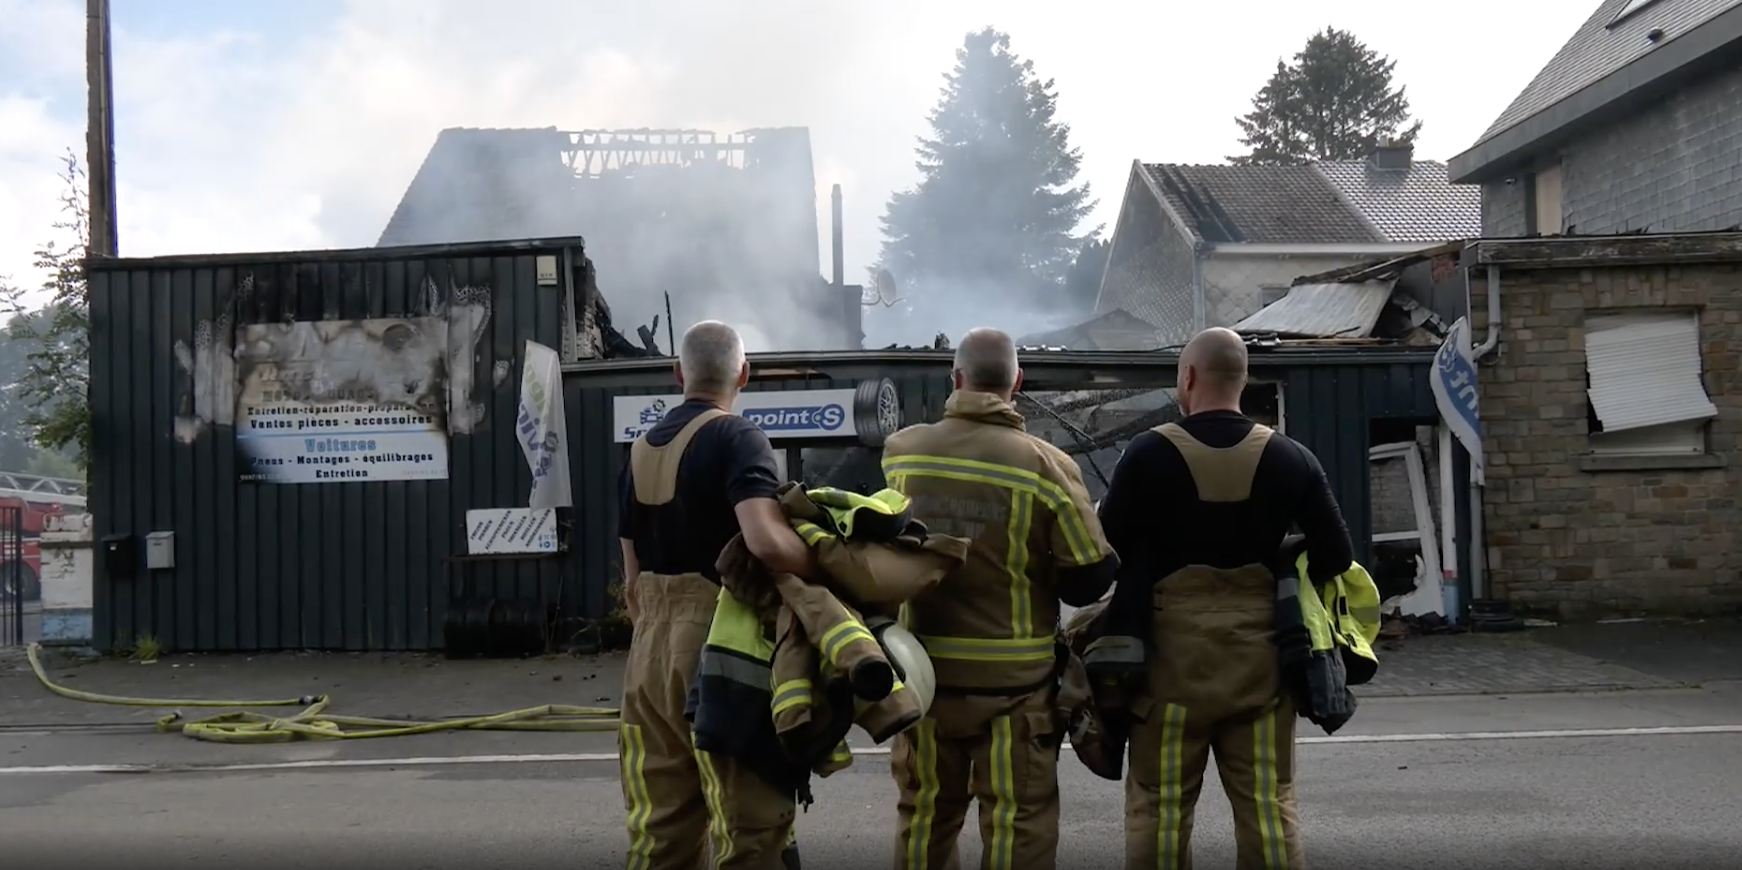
{"points": [[1002, 752], [684, 804], [1215, 687]]}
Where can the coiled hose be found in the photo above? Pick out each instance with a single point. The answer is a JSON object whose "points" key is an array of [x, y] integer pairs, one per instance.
{"points": [[314, 723]]}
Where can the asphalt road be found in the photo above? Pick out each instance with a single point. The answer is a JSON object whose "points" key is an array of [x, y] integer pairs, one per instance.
{"points": [[1417, 784]]}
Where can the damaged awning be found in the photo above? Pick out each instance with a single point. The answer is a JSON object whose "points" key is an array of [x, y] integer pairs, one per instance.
{"points": [[1322, 311]]}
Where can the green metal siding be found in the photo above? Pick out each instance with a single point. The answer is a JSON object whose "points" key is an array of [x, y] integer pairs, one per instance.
{"points": [[359, 566], [353, 566]]}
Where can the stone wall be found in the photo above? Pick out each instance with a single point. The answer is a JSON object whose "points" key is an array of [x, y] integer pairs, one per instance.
{"points": [[66, 579], [1577, 538]]}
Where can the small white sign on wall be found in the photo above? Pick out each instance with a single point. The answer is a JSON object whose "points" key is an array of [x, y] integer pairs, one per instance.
{"points": [[492, 531]]}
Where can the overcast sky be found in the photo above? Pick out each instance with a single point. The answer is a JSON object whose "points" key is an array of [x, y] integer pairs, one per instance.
{"points": [[287, 124]]}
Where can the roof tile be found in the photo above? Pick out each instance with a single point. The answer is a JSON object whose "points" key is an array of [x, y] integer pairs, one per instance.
{"points": [[1415, 205], [1274, 204], [1597, 50]]}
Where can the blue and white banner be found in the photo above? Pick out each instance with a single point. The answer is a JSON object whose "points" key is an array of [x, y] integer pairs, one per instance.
{"points": [[780, 413], [1454, 386], [543, 434]]}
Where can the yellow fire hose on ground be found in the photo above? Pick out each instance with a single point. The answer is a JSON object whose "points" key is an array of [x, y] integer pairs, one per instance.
{"points": [[314, 723]]}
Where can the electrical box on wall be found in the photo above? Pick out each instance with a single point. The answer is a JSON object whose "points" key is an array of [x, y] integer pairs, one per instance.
{"points": [[546, 266], [159, 551]]}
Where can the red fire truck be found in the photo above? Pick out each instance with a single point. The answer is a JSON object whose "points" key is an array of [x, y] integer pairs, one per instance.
{"points": [[34, 516]]}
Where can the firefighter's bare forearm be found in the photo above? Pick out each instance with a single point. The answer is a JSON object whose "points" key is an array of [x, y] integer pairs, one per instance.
{"points": [[772, 541], [631, 576]]}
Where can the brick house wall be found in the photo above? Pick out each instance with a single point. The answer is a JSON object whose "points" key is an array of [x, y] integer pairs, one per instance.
{"points": [[1675, 166], [1576, 536]]}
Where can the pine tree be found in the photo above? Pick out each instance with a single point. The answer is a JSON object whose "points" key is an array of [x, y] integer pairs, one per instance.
{"points": [[995, 213], [1334, 102]]}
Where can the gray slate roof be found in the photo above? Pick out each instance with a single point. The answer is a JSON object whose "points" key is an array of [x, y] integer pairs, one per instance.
{"points": [[1596, 50], [1346, 202], [1278, 204], [1421, 205]]}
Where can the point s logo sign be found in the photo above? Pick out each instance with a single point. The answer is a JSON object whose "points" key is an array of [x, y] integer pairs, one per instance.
{"points": [[783, 414], [823, 418]]}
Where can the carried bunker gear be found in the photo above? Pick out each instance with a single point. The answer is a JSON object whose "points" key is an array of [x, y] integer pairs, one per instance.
{"points": [[1325, 634], [995, 730], [790, 666], [1097, 738], [683, 803]]}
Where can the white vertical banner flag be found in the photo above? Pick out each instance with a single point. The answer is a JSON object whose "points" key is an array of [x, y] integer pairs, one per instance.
{"points": [[542, 431], [1453, 382]]}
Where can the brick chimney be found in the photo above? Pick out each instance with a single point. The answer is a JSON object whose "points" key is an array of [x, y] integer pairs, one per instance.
{"points": [[1395, 155]]}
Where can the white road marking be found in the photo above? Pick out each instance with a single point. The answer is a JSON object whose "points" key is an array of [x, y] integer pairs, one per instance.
{"points": [[599, 757]]}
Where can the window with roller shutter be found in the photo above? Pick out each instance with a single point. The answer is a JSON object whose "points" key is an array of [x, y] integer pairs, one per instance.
{"points": [[1645, 383]]}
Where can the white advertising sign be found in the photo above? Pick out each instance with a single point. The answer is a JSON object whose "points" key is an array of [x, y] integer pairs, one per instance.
{"points": [[511, 530], [343, 401], [780, 413], [541, 429]]}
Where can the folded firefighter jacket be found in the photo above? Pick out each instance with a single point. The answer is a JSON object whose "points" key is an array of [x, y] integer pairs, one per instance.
{"points": [[1324, 635], [790, 665]]}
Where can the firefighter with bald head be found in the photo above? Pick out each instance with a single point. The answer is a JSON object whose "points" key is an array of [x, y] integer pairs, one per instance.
{"points": [[694, 481], [992, 733], [1198, 510]]}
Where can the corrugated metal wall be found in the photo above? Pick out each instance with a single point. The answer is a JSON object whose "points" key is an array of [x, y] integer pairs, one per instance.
{"points": [[1328, 407], [361, 565], [296, 566]]}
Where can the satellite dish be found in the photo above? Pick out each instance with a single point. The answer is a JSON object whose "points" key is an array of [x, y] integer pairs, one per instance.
{"points": [[886, 289]]}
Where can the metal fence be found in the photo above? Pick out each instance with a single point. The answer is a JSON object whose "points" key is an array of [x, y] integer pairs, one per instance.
{"points": [[14, 576]]}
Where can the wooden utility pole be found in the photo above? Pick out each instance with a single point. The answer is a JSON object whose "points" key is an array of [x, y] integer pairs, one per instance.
{"points": [[100, 130]]}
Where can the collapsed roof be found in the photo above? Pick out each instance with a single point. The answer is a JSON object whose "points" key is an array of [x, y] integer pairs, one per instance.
{"points": [[726, 224]]}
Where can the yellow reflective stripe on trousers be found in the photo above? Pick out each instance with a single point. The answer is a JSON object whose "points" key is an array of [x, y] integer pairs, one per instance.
{"points": [[640, 804], [790, 694], [1170, 810], [989, 649], [1076, 532], [836, 639], [925, 799], [714, 794], [999, 852], [1016, 563], [1267, 790]]}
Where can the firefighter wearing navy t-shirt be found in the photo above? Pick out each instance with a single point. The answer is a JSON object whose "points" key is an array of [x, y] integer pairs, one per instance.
{"points": [[695, 480]]}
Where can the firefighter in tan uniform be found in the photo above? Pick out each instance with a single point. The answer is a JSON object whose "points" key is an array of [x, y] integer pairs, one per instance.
{"points": [[990, 628], [1198, 510], [693, 482]]}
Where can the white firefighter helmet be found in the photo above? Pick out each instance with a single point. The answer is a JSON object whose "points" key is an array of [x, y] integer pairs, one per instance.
{"points": [[911, 662]]}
